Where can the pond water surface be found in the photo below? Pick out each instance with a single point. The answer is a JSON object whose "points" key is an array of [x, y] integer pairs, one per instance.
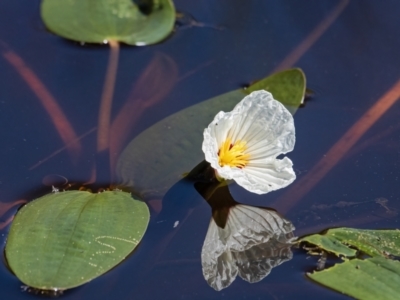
{"points": [[345, 158]]}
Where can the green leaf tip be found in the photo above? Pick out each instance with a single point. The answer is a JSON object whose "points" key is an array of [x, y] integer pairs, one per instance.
{"points": [[346, 241], [288, 86]]}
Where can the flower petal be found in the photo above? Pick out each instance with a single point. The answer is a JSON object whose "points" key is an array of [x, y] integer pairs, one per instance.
{"points": [[264, 177], [214, 135], [262, 118]]}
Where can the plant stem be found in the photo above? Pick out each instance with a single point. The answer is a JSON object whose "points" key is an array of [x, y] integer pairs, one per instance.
{"points": [[103, 131]]}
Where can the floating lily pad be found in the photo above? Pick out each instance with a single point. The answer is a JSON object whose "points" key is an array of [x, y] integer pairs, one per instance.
{"points": [[65, 239], [370, 242], [96, 21], [375, 278], [172, 146]]}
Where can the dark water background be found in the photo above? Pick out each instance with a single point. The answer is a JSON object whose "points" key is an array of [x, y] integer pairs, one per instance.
{"points": [[349, 67]]}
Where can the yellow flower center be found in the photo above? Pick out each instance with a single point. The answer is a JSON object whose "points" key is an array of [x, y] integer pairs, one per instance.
{"points": [[233, 155]]}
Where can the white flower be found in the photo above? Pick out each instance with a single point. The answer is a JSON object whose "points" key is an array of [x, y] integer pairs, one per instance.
{"points": [[243, 144]]}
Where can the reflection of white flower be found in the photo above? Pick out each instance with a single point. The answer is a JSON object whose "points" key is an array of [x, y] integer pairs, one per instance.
{"points": [[243, 144], [253, 241]]}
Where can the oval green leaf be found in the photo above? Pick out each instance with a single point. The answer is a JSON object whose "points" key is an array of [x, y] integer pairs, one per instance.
{"points": [[65, 239], [97, 21], [172, 146]]}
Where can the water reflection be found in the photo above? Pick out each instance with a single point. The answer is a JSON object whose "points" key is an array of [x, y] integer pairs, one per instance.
{"points": [[241, 240]]}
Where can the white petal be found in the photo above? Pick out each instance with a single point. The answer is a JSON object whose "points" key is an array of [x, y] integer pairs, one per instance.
{"points": [[264, 177], [214, 135], [267, 120]]}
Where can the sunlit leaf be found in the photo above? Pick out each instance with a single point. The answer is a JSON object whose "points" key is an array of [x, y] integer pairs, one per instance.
{"points": [[65, 239], [95, 21], [374, 278], [172, 146], [371, 242], [288, 87]]}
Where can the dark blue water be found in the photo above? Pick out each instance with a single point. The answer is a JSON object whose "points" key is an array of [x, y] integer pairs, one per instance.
{"points": [[350, 66]]}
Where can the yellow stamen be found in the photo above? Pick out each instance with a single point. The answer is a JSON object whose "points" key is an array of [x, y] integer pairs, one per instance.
{"points": [[233, 155]]}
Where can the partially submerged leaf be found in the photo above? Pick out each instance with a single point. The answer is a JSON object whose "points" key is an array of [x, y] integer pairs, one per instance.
{"points": [[330, 244], [172, 146], [371, 242], [65, 239], [374, 278], [96, 21]]}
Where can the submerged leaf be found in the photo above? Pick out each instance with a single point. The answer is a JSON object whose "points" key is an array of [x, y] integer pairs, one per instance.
{"points": [[97, 21], [65, 239], [374, 278], [172, 146]]}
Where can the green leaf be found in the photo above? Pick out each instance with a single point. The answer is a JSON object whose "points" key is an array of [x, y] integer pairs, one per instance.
{"points": [[371, 242], [288, 87], [65, 239], [330, 244], [375, 278], [96, 21], [172, 146]]}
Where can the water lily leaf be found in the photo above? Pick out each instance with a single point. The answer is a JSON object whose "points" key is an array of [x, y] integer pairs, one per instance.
{"points": [[172, 146], [370, 242], [288, 87], [374, 278], [65, 239], [96, 21]]}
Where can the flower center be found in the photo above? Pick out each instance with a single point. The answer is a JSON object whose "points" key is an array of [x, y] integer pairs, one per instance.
{"points": [[233, 155]]}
